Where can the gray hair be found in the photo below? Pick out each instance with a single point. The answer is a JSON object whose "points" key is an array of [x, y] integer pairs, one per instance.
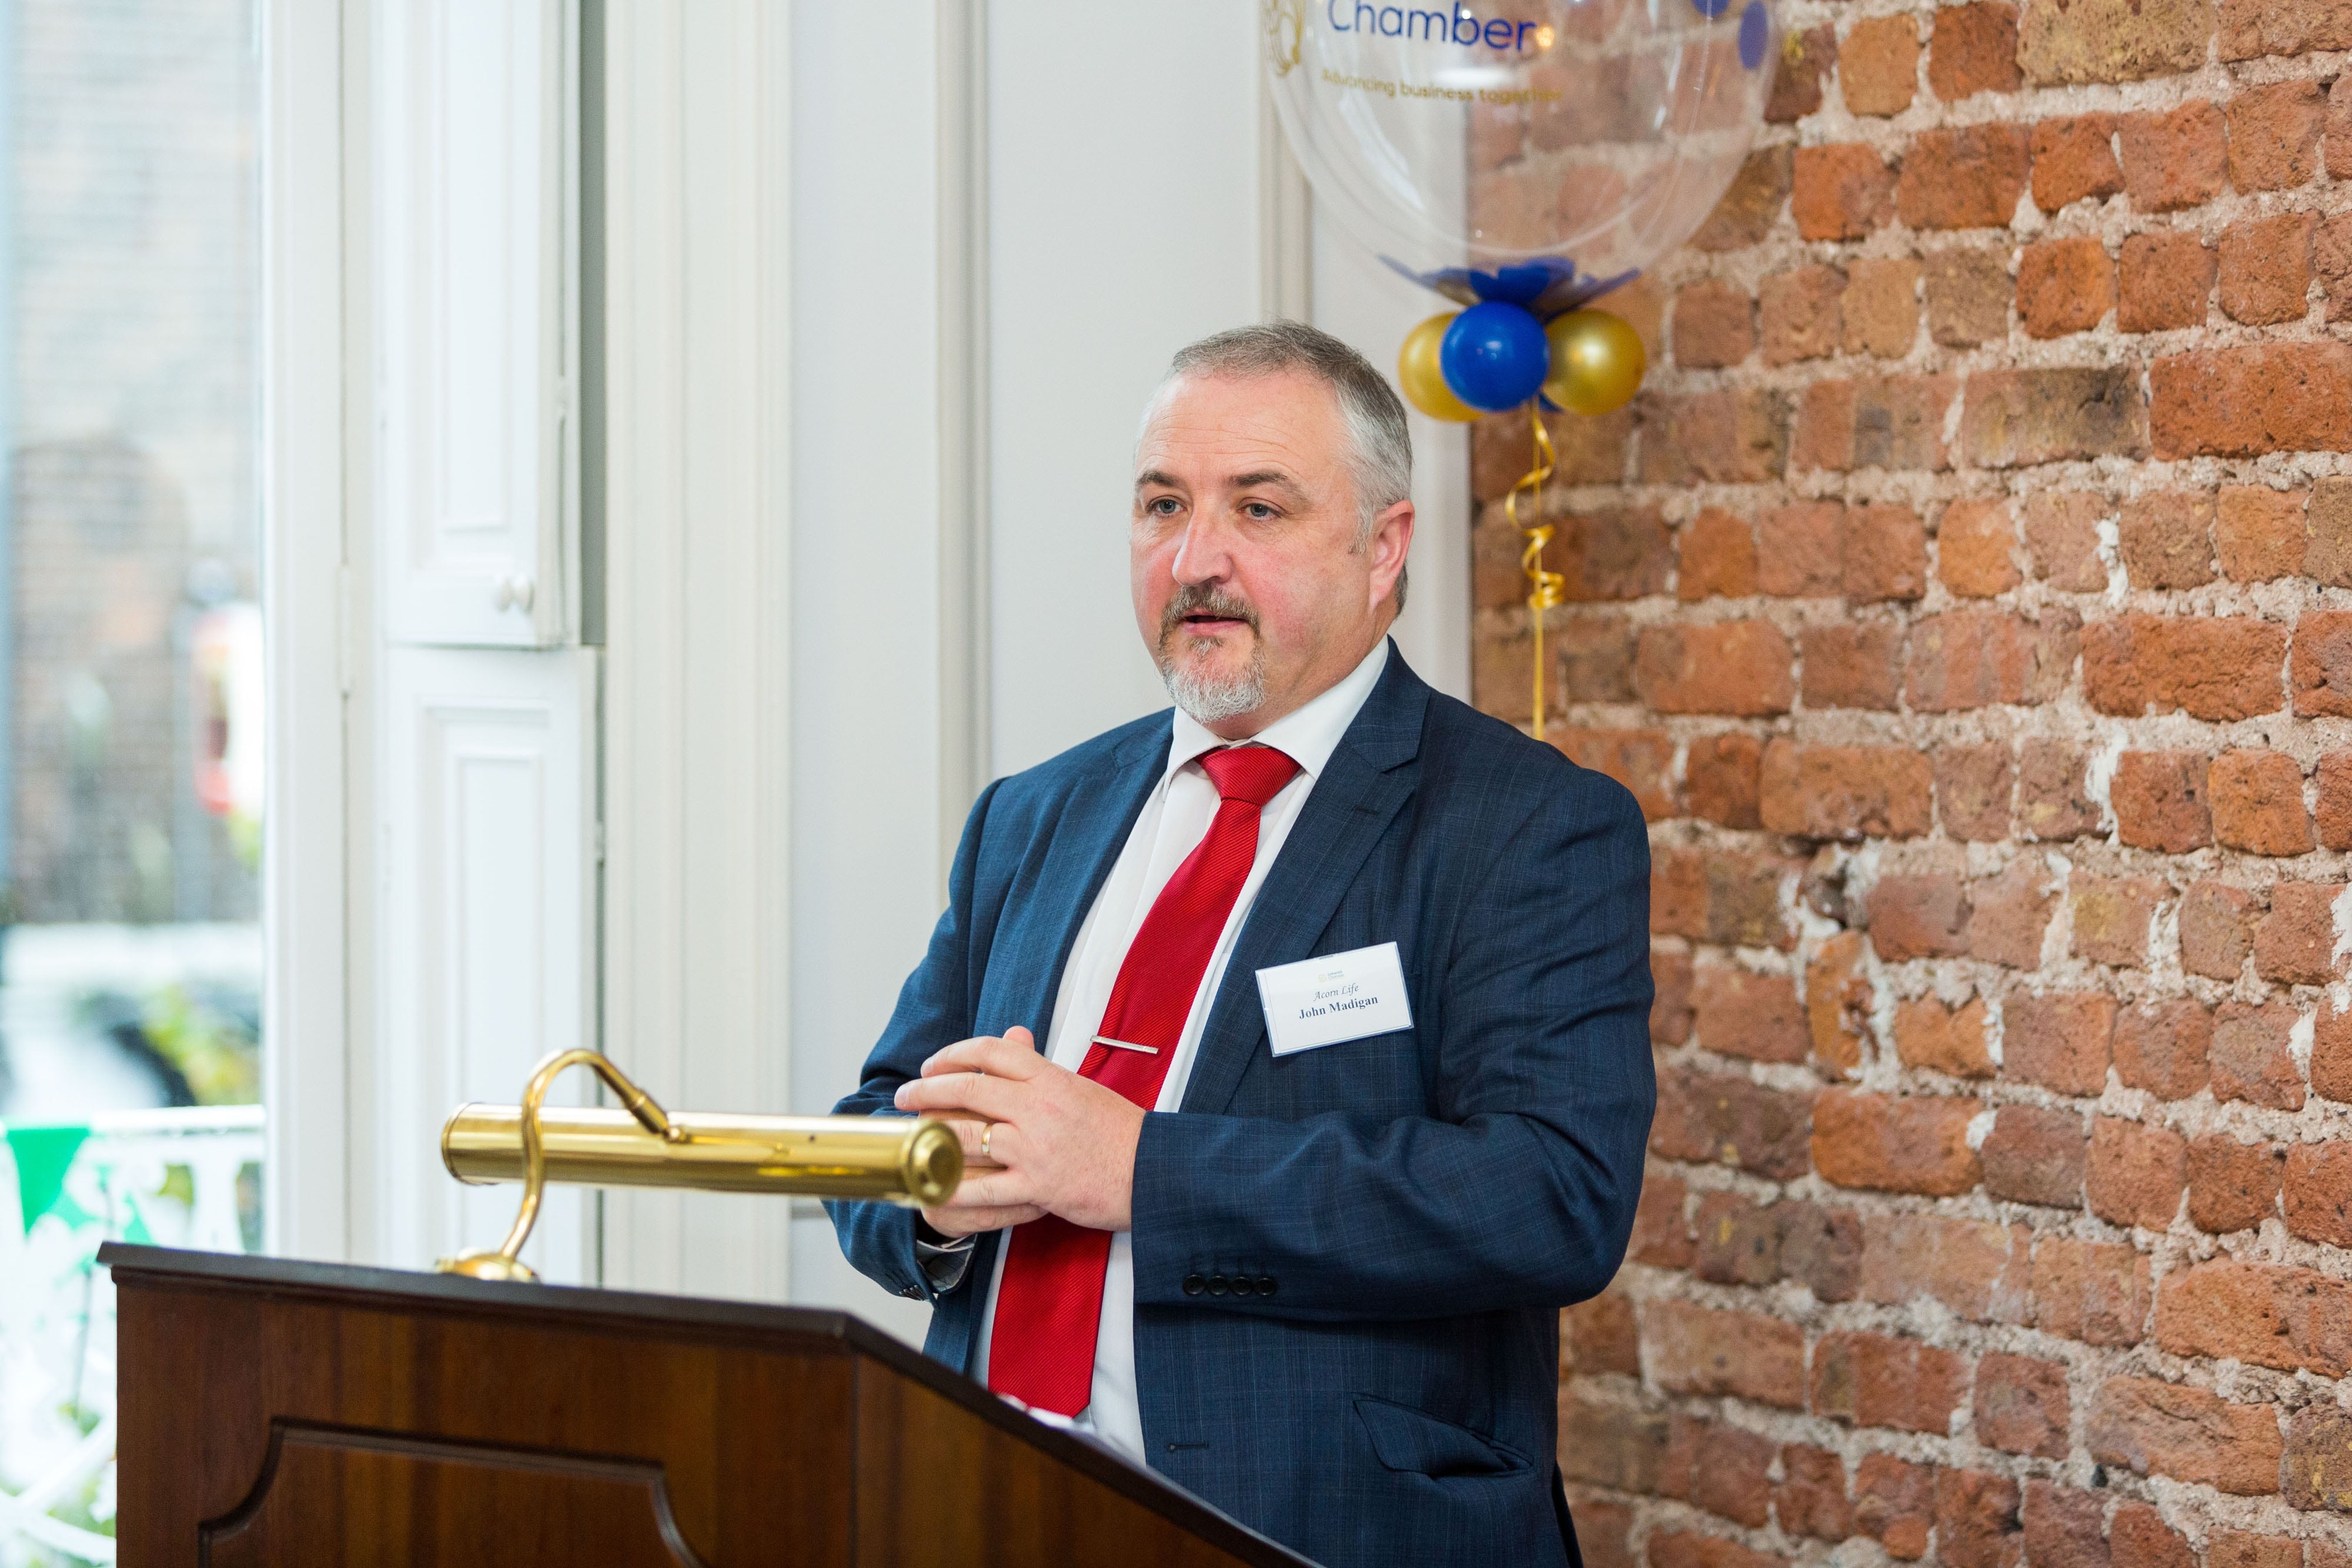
{"points": [[1381, 465]]}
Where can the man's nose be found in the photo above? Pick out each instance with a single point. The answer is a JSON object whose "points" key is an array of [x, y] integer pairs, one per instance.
{"points": [[1203, 555]]}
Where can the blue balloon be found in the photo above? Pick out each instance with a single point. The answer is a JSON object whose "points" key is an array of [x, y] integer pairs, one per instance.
{"points": [[1494, 356]]}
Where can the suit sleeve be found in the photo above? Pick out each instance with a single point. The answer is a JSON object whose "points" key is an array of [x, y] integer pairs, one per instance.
{"points": [[934, 1010], [1519, 1191]]}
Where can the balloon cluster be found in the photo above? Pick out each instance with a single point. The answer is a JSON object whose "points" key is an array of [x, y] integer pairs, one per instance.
{"points": [[1527, 334]]}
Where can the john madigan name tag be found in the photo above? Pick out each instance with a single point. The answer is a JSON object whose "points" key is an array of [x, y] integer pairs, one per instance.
{"points": [[1341, 996]]}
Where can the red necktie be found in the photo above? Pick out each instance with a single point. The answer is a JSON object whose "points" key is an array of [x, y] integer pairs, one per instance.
{"points": [[1049, 1303]]}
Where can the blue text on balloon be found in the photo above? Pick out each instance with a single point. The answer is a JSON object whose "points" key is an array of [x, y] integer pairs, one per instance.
{"points": [[1431, 26]]}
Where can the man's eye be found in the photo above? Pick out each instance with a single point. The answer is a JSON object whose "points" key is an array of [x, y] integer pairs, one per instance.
{"points": [[1165, 506], [1260, 511]]}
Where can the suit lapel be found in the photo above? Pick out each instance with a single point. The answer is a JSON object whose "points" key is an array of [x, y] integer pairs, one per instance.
{"points": [[1360, 790]]}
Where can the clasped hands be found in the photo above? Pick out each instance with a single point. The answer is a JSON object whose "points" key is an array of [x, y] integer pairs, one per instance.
{"points": [[1066, 1144]]}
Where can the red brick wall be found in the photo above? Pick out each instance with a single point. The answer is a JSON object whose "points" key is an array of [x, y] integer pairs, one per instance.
{"points": [[1967, 602]]}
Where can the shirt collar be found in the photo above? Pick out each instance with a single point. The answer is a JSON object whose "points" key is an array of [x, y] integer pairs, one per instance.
{"points": [[1308, 737]]}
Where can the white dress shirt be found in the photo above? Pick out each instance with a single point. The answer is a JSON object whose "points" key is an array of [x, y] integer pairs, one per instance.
{"points": [[1174, 822]]}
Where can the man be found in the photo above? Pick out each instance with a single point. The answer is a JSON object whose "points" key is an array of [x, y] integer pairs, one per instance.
{"points": [[1296, 1237]]}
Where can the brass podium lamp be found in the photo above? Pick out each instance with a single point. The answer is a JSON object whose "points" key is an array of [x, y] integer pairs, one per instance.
{"points": [[893, 1159]]}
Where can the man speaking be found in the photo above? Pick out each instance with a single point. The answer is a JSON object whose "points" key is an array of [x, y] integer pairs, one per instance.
{"points": [[1343, 991]]}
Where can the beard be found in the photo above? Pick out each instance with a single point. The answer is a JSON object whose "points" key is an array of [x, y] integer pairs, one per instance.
{"points": [[1209, 698]]}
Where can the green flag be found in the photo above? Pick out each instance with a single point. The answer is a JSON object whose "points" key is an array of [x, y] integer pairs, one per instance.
{"points": [[42, 1154]]}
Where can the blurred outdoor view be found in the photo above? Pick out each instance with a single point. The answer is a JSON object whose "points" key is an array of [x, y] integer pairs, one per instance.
{"points": [[130, 700]]}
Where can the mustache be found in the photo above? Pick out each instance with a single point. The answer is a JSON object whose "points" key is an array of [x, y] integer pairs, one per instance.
{"points": [[1203, 600]]}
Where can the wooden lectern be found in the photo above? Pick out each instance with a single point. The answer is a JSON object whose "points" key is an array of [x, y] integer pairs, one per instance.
{"points": [[283, 1413]]}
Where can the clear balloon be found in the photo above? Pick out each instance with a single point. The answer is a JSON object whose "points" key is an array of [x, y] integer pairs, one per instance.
{"points": [[1479, 134], [1421, 377]]}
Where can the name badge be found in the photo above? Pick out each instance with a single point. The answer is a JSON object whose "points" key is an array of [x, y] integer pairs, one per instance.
{"points": [[1339, 997]]}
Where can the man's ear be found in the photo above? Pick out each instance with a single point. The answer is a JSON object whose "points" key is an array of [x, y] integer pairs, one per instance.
{"points": [[1392, 540]]}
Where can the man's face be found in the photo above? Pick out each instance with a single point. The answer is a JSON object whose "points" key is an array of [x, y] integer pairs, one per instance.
{"points": [[1250, 588]]}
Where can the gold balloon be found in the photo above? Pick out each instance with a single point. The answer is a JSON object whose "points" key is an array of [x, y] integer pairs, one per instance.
{"points": [[1423, 380], [1596, 362]]}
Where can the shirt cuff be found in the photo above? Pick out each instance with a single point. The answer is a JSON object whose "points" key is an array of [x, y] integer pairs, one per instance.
{"points": [[943, 1261]]}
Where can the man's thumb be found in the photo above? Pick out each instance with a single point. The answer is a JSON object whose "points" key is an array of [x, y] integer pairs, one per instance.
{"points": [[1020, 1037]]}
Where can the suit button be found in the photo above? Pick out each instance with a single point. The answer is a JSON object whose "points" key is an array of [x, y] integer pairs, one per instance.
{"points": [[913, 1293], [1243, 1285], [1266, 1284], [1194, 1285], [1217, 1284]]}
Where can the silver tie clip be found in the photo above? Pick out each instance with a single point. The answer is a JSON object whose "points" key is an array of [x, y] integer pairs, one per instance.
{"points": [[1127, 1045]]}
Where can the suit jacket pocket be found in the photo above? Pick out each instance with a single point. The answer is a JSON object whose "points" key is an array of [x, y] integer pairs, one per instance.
{"points": [[1408, 1441]]}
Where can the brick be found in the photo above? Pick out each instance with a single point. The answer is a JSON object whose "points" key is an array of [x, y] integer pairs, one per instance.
{"points": [[2254, 27], [1752, 205], [1742, 1013], [2166, 540], [2321, 669], [1897, 422], [1820, 1248], [2035, 1155], [1738, 667], [2232, 1186], [2161, 1428], [1841, 192], [2331, 250], [2074, 161], [1858, 664], [2111, 40], [2022, 1405], [2096, 1292], [2064, 286], [1976, 1268], [1892, 1144], [1716, 558], [1977, 1523], [2174, 160], [1874, 1380], [2318, 1469], [1918, 917], [1883, 554], [2166, 280], [1736, 436], [1976, 543], [2327, 542], [2138, 1537], [1811, 1500], [1733, 899], [2250, 1058], [1878, 66], [1715, 326], [2266, 268], [2061, 1040], [1624, 553], [2161, 800], [2063, 1525], [2208, 666], [1895, 1504], [1802, 548], [1662, 1236], [1689, 1549], [2062, 535], [2054, 801], [2275, 136], [2334, 778], [2237, 1549], [2294, 943], [1641, 760], [1972, 790], [2216, 929], [1592, 451], [2331, 1053], [2244, 403], [1973, 49], [2258, 532], [1965, 177], [1723, 1120], [1806, 59], [1802, 314], [1670, 996], [2113, 917], [1738, 1243], [1591, 660], [2011, 913], [1881, 308], [1600, 1335], [1846, 792], [2136, 1174], [1610, 1444], [1601, 1528], [1699, 1350], [1838, 1001], [1940, 1039], [2165, 1047], [1729, 1473], [2293, 1320], [2318, 1188], [2258, 803], [1969, 294], [2018, 419], [1720, 779], [1980, 658]]}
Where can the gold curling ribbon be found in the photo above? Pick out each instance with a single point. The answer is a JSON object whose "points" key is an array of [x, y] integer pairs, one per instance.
{"points": [[1545, 589]]}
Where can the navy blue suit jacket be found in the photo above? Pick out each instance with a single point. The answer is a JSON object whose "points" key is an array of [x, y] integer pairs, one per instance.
{"points": [[1424, 1201]]}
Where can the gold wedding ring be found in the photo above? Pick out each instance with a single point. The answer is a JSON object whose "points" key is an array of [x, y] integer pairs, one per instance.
{"points": [[984, 1132]]}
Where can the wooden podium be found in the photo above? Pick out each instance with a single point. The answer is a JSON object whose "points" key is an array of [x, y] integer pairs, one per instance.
{"points": [[282, 1413]]}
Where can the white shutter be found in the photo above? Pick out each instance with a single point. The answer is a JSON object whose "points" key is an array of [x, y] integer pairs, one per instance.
{"points": [[488, 899], [472, 305]]}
